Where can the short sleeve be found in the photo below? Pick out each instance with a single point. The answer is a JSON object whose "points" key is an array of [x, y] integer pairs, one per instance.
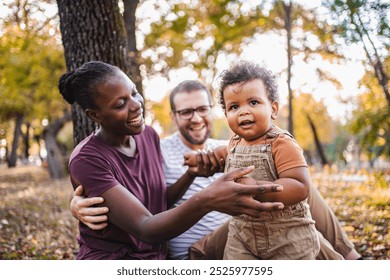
{"points": [[93, 173], [287, 153]]}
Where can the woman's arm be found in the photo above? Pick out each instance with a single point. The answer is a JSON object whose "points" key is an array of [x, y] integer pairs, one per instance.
{"points": [[204, 164], [85, 210], [224, 195]]}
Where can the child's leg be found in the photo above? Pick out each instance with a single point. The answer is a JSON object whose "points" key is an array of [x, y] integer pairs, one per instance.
{"points": [[210, 247], [328, 224], [238, 249], [294, 238]]}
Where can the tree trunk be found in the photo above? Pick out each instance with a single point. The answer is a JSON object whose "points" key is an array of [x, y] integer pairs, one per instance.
{"points": [[288, 27], [26, 141], [91, 30], [55, 161], [130, 7], [15, 143], [37, 139], [317, 141]]}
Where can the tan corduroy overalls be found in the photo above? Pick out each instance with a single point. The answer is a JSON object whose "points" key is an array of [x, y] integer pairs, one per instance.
{"points": [[284, 234]]}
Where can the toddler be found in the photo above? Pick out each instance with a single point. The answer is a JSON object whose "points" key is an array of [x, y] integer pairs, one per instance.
{"points": [[249, 98]]}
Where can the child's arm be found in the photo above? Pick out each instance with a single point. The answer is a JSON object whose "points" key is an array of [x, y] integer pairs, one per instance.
{"points": [[216, 157], [296, 187]]}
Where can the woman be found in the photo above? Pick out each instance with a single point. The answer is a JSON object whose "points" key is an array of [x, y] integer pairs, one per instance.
{"points": [[121, 162]]}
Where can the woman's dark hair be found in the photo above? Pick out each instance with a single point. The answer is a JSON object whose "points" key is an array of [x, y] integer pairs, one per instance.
{"points": [[245, 71], [188, 86], [80, 85]]}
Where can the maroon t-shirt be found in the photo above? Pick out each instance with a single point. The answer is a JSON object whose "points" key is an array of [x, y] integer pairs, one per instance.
{"points": [[99, 167]]}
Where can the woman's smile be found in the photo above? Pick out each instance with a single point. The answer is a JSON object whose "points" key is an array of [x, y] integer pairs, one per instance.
{"points": [[136, 121]]}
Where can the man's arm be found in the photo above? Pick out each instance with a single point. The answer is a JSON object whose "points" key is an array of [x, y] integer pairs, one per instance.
{"points": [[84, 210], [223, 195], [204, 164]]}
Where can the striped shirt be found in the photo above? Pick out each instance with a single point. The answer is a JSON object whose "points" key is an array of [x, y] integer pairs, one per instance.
{"points": [[173, 149]]}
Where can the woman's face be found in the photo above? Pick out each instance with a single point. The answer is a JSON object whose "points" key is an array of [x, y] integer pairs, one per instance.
{"points": [[119, 106]]}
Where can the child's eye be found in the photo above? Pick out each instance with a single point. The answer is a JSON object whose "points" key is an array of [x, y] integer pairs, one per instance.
{"points": [[254, 102], [233, 107]]}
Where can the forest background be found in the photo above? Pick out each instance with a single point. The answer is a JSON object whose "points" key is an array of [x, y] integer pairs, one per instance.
{"points": [[332, 63]]}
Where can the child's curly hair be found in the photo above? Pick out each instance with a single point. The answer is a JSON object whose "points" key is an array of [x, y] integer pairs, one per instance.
{"points": [[244, 71]]}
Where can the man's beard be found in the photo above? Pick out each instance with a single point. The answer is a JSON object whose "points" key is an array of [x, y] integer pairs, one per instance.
{"points": [[195, 141]]}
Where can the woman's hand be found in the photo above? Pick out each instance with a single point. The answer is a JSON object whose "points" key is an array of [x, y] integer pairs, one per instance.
{"points": [[84, 210], [128, 213], [229, 196]]}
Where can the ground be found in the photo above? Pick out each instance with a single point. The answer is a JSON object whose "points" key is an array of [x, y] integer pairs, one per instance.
{"points": [[35, 222]]}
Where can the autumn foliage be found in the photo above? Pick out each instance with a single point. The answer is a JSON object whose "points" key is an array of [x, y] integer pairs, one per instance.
{"points": [[35, 222]]}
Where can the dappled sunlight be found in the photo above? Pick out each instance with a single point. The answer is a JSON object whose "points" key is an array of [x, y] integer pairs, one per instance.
{"points": [[35, 222], [361, 200]]}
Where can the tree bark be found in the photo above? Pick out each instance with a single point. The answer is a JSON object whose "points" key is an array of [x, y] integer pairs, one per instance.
{"points": [[26, 141], [11, 161], [55, 159], [91, 30], [130, 7], [288, 27], [317, 141]]}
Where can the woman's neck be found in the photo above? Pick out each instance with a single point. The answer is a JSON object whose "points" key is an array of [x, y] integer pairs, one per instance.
{"points": [[113, 140], [125, 145]]}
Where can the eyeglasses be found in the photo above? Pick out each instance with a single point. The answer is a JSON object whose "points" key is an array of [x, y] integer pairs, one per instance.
{"points": [[187, 114]]}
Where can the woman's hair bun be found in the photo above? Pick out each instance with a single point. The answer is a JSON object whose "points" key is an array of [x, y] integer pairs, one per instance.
{"points": [[65, 86]]}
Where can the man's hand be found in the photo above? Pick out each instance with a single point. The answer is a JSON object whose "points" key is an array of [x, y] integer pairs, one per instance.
{"points": [[81, 208]]}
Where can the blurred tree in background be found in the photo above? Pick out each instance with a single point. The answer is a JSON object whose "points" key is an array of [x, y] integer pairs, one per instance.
{"points": [[30, 61], [371, 119], [367, 24], [203, 36]]}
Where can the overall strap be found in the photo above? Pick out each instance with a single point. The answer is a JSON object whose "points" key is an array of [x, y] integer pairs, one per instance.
{"points": [[275, 131]]}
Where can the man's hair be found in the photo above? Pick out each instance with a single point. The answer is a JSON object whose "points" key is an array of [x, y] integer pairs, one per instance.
{"points": [[188, 86], [245, 71]]}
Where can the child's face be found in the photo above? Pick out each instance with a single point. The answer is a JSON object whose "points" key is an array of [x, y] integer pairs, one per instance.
{"points": [[249, 112]]}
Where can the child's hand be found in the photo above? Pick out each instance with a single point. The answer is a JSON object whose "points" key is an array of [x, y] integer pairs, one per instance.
{"points": [[203, 163], [190, 159]]}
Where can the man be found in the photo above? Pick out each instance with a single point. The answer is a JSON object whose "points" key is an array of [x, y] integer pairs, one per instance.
{"points": [[191, 105]]}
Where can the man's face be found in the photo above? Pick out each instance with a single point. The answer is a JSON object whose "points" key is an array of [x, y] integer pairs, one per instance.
{"points": [[195, 130]]}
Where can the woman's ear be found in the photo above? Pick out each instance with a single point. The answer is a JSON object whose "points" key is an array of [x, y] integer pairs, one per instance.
{"points": [[275, 109], [93, 115]]}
